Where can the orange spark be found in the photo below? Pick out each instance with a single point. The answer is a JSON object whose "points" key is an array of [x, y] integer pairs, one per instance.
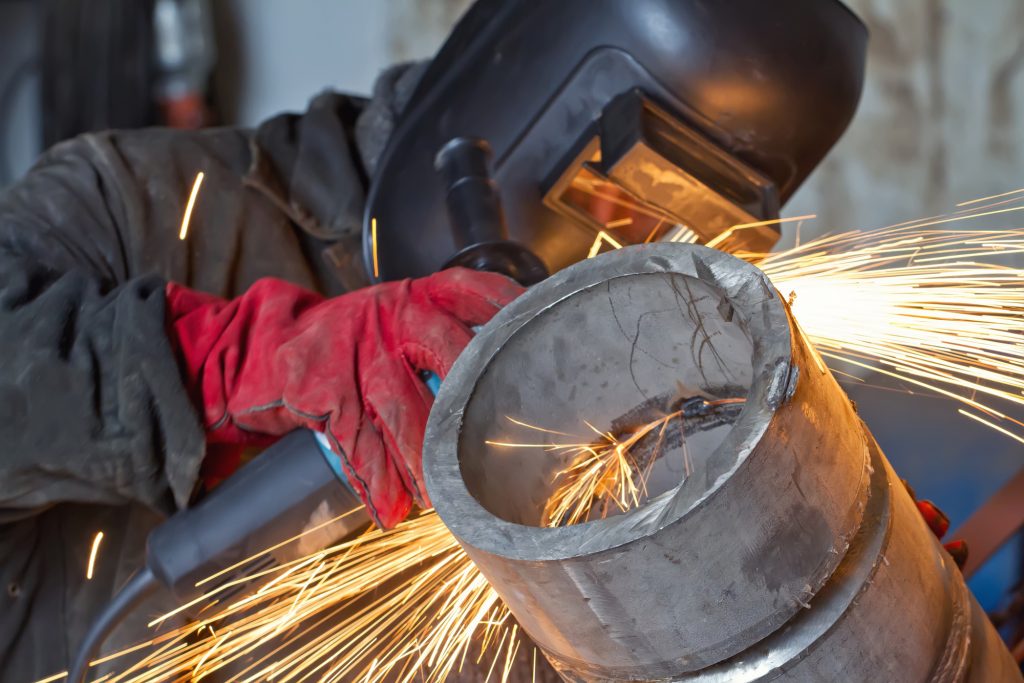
{"points": [[602, 238], [373, 246], [726, 234], [92, 554], [191, 204], [993, 196]]}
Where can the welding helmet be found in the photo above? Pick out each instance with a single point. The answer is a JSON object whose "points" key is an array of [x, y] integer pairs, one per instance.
{"points": [[604, 120]]}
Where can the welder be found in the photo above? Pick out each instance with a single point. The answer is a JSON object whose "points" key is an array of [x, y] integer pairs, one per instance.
{"points": [[135, 365], [140, 355]]}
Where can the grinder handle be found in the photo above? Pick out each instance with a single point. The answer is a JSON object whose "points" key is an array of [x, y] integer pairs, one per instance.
{"points": [[477, 221], [287, 489]]}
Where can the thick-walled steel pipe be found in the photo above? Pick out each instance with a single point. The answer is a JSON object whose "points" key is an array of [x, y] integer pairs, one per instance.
{"points": [[782, 548]]}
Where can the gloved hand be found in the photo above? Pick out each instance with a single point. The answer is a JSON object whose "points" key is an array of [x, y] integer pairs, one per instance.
{"points": [[280, 357], [939, 524]]}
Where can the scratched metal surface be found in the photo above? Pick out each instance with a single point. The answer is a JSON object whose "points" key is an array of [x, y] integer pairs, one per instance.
{"points": [[585, 592]]}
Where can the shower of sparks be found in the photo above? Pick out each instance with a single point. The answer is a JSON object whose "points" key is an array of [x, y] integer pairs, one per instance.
{"points": [[990, 425], [683, 235], [938, 309], [336, 615], [601, 471], [187, 218], [92, 554], [726, 234], [992, 196], [405, 605]]}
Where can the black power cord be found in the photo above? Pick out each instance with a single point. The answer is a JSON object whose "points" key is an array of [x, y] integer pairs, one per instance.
{"points": [[142, 584]]}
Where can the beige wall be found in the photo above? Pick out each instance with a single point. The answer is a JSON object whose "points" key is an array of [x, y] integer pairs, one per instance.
{"points": [[417, 27], [941, 119], [276, 54]]}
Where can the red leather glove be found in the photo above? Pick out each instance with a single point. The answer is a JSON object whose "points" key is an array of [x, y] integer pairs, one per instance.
{"points": [[939, 524], [280, 357]]}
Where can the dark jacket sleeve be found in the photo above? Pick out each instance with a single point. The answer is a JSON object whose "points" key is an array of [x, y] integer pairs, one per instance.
{"points": [[92, 406]]}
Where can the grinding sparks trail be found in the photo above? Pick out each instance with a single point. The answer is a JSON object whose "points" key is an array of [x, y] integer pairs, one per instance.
{"points": [[940, 310], [93, 551], [598, 472], [373, 246], [726, 234], [338, 615], [937, 308], [602, 238], [187, 218]]}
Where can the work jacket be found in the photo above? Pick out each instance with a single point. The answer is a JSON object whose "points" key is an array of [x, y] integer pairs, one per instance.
{"points": [[97, 432]]}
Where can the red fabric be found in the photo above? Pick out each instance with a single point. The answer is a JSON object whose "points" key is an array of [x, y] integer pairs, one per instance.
{"points": [[936, 519], [280, 357], [221, 461], [939, 524], [958, 551]]}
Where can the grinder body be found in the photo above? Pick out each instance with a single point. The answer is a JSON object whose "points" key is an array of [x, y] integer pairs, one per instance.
{"points": [[282, 505], [288, 491]]}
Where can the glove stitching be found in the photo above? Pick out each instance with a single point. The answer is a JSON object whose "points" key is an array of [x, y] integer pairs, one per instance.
{"points": [[453, 292], [219, 423], [340, 452], [384, 429], [281, 403], [416, 492], [437, 360], [271, 406]]}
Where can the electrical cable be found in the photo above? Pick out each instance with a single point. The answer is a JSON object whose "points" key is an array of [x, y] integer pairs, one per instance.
{"points": [[142, 584]]}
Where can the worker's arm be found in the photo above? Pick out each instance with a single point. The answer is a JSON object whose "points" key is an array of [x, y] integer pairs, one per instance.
{"points": [[92, 407], [280, 357], [91, 384]]}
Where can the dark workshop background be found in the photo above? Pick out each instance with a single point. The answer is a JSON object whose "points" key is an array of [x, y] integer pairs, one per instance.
{"points": [[941, 121]]}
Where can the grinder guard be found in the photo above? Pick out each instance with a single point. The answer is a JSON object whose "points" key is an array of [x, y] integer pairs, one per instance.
{"points": [[769, 87]]}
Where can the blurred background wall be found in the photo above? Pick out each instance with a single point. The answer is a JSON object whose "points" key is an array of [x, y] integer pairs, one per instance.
{"points": [[941, 121], [276, 54], [272, 55], [20, 126]]}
